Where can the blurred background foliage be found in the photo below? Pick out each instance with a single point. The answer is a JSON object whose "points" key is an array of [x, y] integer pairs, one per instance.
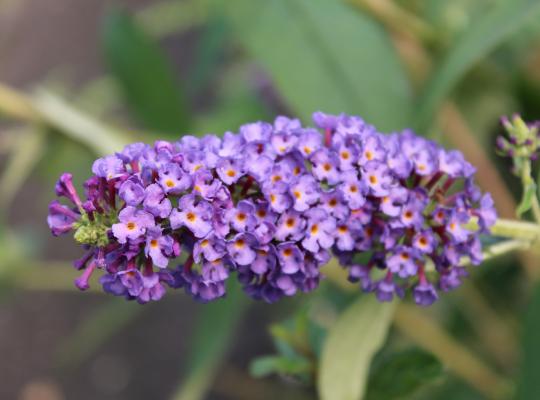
{"points": [[79, 79]]}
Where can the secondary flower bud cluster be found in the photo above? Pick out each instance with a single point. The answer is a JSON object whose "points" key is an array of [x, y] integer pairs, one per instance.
{"points": [[521, 142], [271, 204]]}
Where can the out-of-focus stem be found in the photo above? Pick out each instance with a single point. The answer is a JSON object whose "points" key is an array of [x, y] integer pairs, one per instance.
{"points": [[15, 105], [397, 18], [426, 333]]}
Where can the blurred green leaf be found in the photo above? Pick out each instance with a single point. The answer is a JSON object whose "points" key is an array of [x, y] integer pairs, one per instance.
{"points": [[529, 384], [264, 366], [483, 35], [236, 103], [216, 324], [144, 75], [95, 329], [209, 52], [399, 375], [24, 156], [351, 344], [529, 192], [331, 58]]}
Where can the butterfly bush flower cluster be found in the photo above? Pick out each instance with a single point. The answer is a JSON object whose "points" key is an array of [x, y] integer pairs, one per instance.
{"points": [[270, 205], [521, 142]]}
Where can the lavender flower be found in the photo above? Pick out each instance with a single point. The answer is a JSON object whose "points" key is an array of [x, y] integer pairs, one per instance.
{"points": [[269, 206]]}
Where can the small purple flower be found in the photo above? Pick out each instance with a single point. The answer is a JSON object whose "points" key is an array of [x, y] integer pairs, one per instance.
{"points": [[173, 179], [132, 191], [242, 217], [377, 178], [353, 191], [265, 260], [278, 197], [133, 224], [158, 247], [372, 150], [230, 170], [112, 284], [61, 219], [304, 192], [320, 230], [403, 262], [290, 226], [424, 241], [152, 289], [455, 227], [155, 201], [211, 247], [425, 294], [309, 142], [64, 187], [332, 203], [290, 257], [487, 215], [256, 132], [325, 166], [283, 142], [109, 167], [196, 216], [132, 280], [241, 248], [386, 289], [205, 185]]}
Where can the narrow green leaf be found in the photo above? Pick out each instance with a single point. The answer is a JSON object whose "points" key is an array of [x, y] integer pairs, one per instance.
{"points": [[146, 78], [400, 374], [529, 384], [216, 324], [264, 366], [485, 33], [526, 201], [331, 58], [351, 344]]}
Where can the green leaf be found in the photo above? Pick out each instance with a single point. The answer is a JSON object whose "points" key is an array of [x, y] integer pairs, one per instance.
{"points": [[264, 366], [216, 324], [526, 201], [145, 76], [351, 344], [529, 384], [331, 58], [208, 54], [399, 375], [484, 34]]}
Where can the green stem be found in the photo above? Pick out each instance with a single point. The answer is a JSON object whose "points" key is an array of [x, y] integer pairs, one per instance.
{"points": [[514, 229], [527, 179]]}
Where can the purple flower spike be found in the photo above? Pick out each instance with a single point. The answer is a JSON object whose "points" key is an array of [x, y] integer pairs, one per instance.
{"points": [[271, 204]]}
